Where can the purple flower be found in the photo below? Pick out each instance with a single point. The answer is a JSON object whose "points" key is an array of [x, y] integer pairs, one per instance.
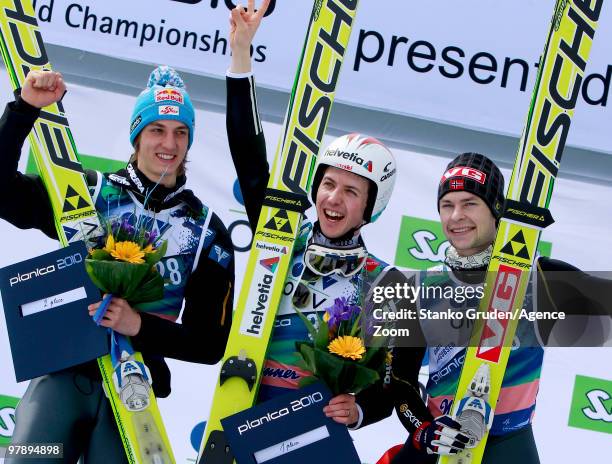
{"points": [[340, 311]]}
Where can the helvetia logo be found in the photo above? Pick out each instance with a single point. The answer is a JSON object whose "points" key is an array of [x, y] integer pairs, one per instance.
{"points": [[350, 156], [270, 263], [271, 247]]}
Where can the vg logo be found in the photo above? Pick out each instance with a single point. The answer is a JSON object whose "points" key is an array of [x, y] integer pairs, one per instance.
{"points": [[228, 3]]}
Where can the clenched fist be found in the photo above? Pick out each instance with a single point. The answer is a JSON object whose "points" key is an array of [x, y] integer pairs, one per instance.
{"points": [[43, 88]]}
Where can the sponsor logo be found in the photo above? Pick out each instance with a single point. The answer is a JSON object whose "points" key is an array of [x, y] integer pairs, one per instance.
{"points": [[455, 364], [8, 404], [279, 222], [168, 95], [74, 217], [271, 247], [134, 177], [553, 111], [407, 413], [354, 157], [314, 107], [279, 373], [135, 124], [388, 173], [516, 247], [504, 292], [421, 244], [295, 405], [282, 238], [220, 255], [258, 300], [591, 406], [270, 263], [511, 262], [119, 179], [463, 171], [165, 110], [73, 201], [32, 274]]}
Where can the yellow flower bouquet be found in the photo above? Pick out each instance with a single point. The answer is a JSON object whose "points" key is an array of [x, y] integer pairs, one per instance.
{"points": [[336, 354], [123, 263]]}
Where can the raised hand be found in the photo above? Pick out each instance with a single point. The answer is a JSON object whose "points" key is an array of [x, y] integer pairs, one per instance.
{"points": [[43, 88], [243, 26]]}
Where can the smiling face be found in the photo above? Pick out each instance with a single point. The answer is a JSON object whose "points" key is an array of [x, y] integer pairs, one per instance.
{"points": [[467, 222], [161, 150], [341, 200]]}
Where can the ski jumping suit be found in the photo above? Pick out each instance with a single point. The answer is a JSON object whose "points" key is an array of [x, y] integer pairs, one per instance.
{"points": [[511, 438], [69, 407], [316, 293]]}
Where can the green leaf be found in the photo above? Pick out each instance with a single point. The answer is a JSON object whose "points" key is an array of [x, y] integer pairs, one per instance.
{"points": [[343, 375], [311, 329], [101, 255], [306, 381], [123, 279], [356, 324], [321, 340], [157, 255], [306, 351]]}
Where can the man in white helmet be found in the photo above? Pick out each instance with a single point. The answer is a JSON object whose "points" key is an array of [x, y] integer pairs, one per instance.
{"points": [[352, 184]]}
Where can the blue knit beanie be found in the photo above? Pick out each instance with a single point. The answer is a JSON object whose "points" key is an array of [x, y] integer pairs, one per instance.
{"points": [[164, 98]]}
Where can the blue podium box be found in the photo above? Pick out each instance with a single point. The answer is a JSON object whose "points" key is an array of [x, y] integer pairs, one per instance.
{"points": [[45, 305], [290, 429]]}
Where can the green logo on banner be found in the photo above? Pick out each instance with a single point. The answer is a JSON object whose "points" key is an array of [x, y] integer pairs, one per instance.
{"points": [[7, 418], [591, 404], [421, 244]]}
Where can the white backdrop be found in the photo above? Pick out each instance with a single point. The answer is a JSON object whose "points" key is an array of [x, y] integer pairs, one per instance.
{"points": [[581, 236], [440, 60]]}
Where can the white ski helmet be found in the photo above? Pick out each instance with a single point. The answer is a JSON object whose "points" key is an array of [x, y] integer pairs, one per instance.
{"points": [[367, 157]]}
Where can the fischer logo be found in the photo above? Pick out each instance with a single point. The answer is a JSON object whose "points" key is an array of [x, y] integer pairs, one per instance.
{"points": [[271, 247], [169, 95], [354, 157], [168, 110], [511, 262], [463, 171], [494, 331], [315, 100], [74, 217], [544, 153], [275, 236]]}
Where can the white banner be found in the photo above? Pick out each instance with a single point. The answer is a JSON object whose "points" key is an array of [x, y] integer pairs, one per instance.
{"points": [[581, 236], [470, 63]]}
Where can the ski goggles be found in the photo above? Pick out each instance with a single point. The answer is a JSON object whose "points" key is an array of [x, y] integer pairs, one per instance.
{"points": [[325, 261]]}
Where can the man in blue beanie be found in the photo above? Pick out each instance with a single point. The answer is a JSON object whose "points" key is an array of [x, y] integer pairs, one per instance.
{"points": [[70, 407]]}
